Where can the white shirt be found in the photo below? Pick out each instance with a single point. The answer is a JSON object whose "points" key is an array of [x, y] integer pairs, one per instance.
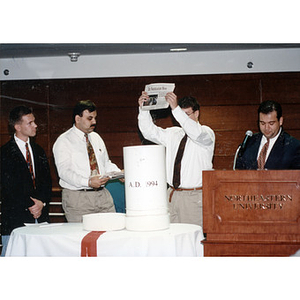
{"points": [[72, 160], [271, 143], [21, 144], [198, 151]]}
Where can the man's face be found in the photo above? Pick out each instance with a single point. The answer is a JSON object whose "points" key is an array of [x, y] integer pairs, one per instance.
{"points": [[194, 115], [26, 127], [269, 124], [87, 122]]}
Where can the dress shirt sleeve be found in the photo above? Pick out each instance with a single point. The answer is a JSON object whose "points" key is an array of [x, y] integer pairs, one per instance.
{"points": [[149, 130], [62, 151], [199, 134]]}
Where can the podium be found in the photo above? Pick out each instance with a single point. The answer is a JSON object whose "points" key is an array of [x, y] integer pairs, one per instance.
{"points": [[251, 213]]}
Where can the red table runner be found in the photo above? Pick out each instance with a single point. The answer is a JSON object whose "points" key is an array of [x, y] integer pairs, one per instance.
{"points": [[89, 243]]}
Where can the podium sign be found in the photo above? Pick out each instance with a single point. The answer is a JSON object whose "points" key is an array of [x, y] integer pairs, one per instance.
{"points": [[251, 213]]}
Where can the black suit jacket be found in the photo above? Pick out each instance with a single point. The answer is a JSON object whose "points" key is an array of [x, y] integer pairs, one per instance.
{"points": [[16, 186], [284, 155]]}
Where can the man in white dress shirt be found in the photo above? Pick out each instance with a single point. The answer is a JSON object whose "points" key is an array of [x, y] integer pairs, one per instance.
{"points": [[83, 190], [185, 201]]}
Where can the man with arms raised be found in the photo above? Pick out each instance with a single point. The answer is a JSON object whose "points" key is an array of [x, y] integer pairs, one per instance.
{"points": [[190, 146]]}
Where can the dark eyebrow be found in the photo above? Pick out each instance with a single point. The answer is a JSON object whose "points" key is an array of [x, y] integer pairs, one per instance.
{"points": [[267, 122]]}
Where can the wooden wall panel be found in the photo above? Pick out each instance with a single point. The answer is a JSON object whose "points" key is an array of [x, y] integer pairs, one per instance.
{"points": [[228, 102], [291, 116], [237, 91], [223, 162], [116, 141], [60, 119], [117, 119], [233, 118], [228, 105], [284, 88]]}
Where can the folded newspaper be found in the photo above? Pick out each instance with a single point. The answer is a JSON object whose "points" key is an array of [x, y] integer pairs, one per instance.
{"points": [[157, 93], [114, 175]]}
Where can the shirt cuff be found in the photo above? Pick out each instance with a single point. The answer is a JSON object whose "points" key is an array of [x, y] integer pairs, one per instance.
{"points": [[85, 182]]}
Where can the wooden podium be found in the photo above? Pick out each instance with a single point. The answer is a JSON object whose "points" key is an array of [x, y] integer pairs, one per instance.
{"points": [[251, 213]]}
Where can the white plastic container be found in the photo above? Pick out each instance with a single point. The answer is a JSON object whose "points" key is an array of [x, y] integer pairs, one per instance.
{"points": [[104, 221], [146, 188]]}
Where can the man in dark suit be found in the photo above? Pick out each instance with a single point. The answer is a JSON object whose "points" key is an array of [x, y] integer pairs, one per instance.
{"points": [[272, 148], [25, 176]]}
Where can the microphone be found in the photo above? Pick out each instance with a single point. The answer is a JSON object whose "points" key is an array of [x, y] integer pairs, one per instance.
{"points": [[249, 133], [240, 150]]}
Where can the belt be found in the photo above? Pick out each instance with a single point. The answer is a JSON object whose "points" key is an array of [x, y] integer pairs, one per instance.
{"points": [[90, 190], [180, 189]]}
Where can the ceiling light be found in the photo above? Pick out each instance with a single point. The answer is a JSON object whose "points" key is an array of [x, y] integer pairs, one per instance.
{"points": [[74, 56], [178, 49]]}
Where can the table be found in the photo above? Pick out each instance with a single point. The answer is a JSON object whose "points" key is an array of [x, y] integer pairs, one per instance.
{"points": [[64, 240]]}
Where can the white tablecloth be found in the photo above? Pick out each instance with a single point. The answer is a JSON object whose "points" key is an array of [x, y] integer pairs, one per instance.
{"points": [[64, 239]]}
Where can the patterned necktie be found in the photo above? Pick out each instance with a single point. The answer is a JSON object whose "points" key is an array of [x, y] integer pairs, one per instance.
{"points": [[29, 164], [262, 156], [92, 157], [177, 164]]}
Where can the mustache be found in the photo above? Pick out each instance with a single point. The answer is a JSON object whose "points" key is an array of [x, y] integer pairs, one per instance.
{"points": [[93, 126]]}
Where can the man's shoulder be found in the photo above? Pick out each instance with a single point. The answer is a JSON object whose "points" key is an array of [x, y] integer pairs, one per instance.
{"points": [[94, 134], [63, 140], [95, 137], [9, 152], [290, 139], [207, 128], [255, 137], [7, 146], [66, 134], [37, 147]]}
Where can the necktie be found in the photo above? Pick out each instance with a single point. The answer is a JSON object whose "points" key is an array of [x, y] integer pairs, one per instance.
{"points": [[177, 164], [92, 157], [29, 163], [262, 156]]}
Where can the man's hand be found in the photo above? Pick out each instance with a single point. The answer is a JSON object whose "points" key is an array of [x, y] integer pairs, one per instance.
{"points": [[97, 181], [171, 98], [143, 98], [36, 209]]}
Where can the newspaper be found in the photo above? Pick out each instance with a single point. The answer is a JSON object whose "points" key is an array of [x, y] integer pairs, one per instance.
{"points": [[113, 175], [157, 93]]}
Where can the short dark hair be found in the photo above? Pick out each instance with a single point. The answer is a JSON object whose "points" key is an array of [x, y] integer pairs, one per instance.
{"points": [[82, 106], [269, 106], [16, 114], [189, 101]]}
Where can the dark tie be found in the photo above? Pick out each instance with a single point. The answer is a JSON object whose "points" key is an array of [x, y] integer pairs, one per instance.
{"points": [[177, 164], [262, 156], [92, 157], [29, 164]]}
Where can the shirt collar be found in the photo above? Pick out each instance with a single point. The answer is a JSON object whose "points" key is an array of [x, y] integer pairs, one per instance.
{"points": [[20, 142], [79, 133]]}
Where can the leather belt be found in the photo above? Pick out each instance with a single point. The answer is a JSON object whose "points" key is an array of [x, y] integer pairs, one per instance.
{"points": [[91, 190], [181, 189]]}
